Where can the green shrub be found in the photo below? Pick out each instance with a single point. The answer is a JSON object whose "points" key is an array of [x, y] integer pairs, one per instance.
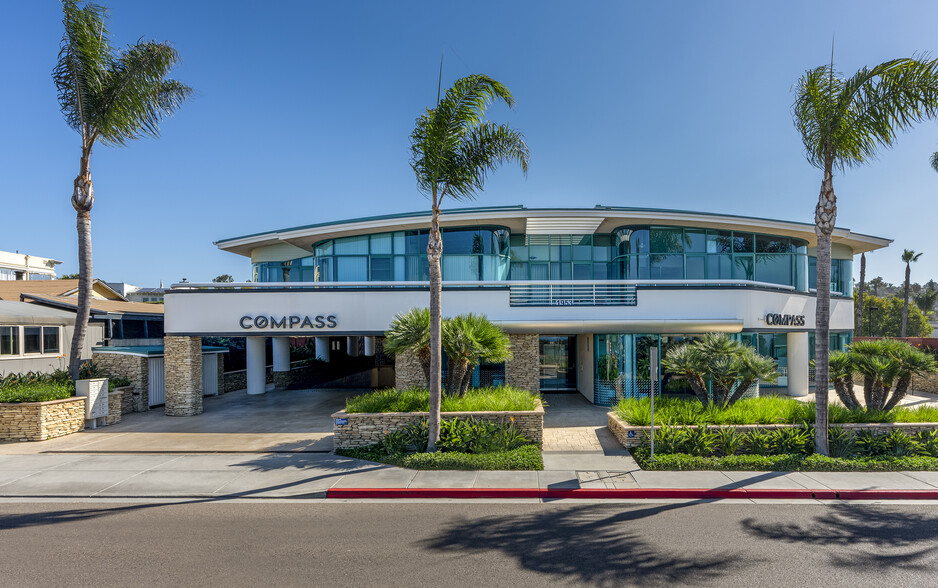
{"points": [[759, 411], [670, 439], [456, 435], [792, 440], [785, 463], [39, 392], [841, 442], [728, 441], [115, 382], [502, 398], [927, 443], [527, 457]]}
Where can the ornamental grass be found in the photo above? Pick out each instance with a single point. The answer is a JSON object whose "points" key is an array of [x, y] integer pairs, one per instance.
{"points": [[502, 398]]}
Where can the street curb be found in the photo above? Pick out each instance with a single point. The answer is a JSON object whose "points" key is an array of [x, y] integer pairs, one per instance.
{"points": [[633, 493]]}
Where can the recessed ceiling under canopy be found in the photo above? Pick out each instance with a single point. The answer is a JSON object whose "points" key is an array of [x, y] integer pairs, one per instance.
{"points": [[562, 225]]}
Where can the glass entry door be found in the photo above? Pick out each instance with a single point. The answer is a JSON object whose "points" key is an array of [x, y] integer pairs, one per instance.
{"points": [[558, 363]]}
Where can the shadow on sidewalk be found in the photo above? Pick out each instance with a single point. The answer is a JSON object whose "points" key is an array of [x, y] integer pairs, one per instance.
{"points": [[592, 544], [323, 466], [871, 539]]}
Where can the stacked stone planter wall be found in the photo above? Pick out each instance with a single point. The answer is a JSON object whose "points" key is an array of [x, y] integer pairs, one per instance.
{"points": [[523, 369], [367, 428], [238, 380], [115, 401], [633, 436], [135, 368], [925, 384], [38, 421]]}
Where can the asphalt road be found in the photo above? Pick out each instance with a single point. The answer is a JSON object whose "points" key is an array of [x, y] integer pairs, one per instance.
{"points": [[466, 544]]}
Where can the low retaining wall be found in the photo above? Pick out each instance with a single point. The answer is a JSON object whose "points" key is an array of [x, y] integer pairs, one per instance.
{"points": [[38, 421], [115, 401], [927, 383], [633, 436], [367, 428]]}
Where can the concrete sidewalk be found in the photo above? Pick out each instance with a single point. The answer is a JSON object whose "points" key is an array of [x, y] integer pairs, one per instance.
{"points": [[309, 475]]}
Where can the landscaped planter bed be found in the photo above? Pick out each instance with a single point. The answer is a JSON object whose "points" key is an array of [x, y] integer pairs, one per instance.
{"points": [[38, 421], [360, 429], [633, 436]]}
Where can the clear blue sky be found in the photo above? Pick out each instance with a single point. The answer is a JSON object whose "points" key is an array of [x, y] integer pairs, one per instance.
{"points": [[303, 111]]}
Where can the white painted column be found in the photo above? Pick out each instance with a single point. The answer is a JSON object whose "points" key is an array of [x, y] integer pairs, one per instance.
{"points": [[369, 346], [351, 346], [281, 348], [256, 365], [322, 348], [798, 358]]}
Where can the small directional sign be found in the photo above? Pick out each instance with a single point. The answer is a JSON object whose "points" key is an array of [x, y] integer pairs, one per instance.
{"points": [[341, 421]]}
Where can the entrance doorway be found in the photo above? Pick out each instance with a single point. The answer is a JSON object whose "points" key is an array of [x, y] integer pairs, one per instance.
{"points": [[558, 363]]}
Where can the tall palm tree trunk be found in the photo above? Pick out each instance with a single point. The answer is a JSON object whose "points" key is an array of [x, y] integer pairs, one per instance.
{"points": [[905, 297], [434, 254], [859, 332], [825, 215], [82, 201]]}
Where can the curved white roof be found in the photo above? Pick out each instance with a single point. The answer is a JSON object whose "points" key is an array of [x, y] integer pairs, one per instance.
{"points": [[518, 219]]}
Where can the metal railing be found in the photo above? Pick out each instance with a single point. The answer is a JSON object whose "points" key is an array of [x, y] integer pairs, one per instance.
{"points": [[487, 285], [572, 294]]}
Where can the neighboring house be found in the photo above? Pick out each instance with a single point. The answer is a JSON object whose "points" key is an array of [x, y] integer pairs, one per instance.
{"points": [[18, 266], [138, 294], [36, 338], [114, 319]]}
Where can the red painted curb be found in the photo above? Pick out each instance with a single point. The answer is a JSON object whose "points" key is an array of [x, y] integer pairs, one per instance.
{"points": [[634, 493]]}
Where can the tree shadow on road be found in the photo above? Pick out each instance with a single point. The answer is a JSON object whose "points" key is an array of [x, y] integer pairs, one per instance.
{"points": [[863, 537], [592, 544]]}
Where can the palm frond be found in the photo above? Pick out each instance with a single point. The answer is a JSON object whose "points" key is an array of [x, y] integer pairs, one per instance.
{"points": [[444, 138], [934, 161], [483, 150], [138, 94], [85, 56], [848, 119]]}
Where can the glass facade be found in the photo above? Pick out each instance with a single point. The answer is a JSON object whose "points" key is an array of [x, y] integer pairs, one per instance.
{"points": [[622, 363], [629, 253], [841, 276], [469, 254], [676, 253], [557, 361], [561, 257]]}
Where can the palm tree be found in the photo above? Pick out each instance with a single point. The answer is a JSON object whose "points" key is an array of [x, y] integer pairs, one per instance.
{"points": [[109, 95], [730, 367], [453, 148], [410, 332], [843, 121], [908, 256], [468, 340]]}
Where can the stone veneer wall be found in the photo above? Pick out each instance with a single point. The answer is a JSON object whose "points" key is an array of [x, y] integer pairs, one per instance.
{"points": [[367, 428], [523, 369], [37, 421], [408, 373], [136, 369], [238, 380], [183, 375], [924, 384], [114, 406], [632, 436]]}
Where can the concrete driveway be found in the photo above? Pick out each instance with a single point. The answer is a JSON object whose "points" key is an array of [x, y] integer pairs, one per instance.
{"points": [[289, 420]]}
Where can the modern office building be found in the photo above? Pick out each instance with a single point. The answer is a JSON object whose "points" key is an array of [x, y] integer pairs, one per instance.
{"points": [[584, 294]]}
